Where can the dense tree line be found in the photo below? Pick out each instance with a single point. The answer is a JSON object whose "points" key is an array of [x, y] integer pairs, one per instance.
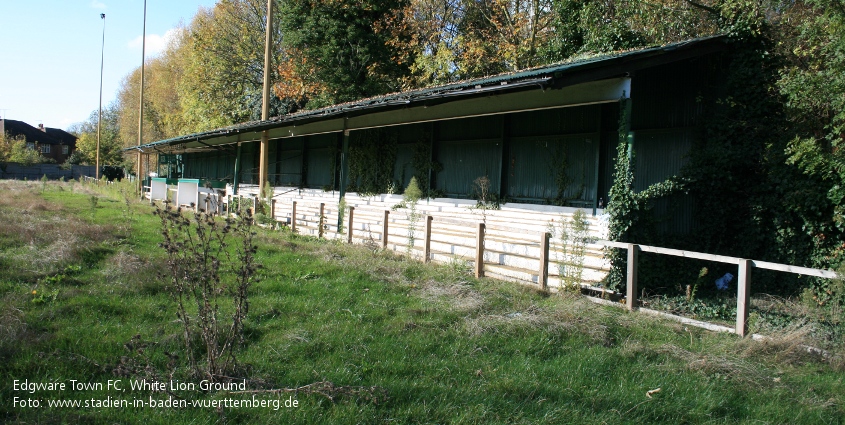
{"points": [[773, 149]]}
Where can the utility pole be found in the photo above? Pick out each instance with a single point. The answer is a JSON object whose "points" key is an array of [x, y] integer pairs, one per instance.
{"points": [[265, 107], [100, 114]]}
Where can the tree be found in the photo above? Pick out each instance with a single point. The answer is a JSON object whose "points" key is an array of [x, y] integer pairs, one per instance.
{"points": [[6, 143], [163, 113], [813, 84], [347, 46], [111, 144], [223, 51], [504, 35], [431, 29], [14, 149]]}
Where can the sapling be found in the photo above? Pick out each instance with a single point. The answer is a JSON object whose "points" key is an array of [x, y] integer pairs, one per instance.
{"points": [[410, 198]]}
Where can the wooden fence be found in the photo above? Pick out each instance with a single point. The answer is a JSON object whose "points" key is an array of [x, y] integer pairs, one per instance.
{"points": [[743, 296], [487, 243], [489, 248]]}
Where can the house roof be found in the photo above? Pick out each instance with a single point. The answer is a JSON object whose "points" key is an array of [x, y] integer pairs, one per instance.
{"points": [[63, 136], [51, 136], [573, 72]]}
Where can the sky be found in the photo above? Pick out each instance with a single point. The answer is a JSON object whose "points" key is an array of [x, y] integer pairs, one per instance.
{"points": [[50, 52]]}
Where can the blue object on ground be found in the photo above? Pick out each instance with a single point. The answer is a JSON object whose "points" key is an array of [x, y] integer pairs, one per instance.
{"points": [[723, 282]]}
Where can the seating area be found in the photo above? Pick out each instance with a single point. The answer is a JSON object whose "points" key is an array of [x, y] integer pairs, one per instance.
{"points": [[192, 193]]}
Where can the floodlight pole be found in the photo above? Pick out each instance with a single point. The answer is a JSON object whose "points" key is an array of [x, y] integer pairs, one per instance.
{"points": [[141, 102], [100, 114]]}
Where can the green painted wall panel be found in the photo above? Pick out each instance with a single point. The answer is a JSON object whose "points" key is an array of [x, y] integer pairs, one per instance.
{"points": [[319, 171], [323, 140], [249, 163], [209, 165], [660, 154], [549, 122], [607, 166], [404, 168], [412, 133], [489, 127], [289, 161], [671, 95], [465, 161], [538, 165]]}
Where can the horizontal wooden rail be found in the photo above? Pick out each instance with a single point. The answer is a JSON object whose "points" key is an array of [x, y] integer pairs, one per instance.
{"points": [[827, 274], [454, 222], [743, 274]]}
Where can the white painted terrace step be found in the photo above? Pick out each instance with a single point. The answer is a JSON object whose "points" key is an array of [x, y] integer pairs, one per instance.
{"points": [[512, 239]]}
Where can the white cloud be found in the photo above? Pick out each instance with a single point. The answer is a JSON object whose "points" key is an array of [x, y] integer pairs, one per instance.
{"points": [[97, 4], [65, 122], [155, 43]]}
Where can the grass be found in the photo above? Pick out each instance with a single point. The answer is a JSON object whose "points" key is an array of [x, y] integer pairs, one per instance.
{"points": [[445, 348]]}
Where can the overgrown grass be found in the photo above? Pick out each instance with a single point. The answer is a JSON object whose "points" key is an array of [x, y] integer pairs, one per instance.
{"points": [[446, 348]]}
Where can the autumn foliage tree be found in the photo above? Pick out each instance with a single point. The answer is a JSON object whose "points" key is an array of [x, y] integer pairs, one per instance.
{"points": [[224, 51]]}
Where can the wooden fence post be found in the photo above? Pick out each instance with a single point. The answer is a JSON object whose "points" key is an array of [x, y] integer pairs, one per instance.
{"points": [[743, 297], [255, 205], [228, 205], [293, 218], [321, 220], [349, 227], [543, 277], [479, 251], [273, 209], [633, 254], [384, 229], [427, 245]]}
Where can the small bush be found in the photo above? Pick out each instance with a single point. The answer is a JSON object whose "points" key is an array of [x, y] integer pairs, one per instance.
{"points": [[572, 235], [410, 198]]}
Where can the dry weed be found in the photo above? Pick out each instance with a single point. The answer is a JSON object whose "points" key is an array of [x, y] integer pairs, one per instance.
{"points": [[460, 298], [553, 320], [123, 267], [792, 345], [720, 366], [13, 330], [41, 240], [531, 318]]}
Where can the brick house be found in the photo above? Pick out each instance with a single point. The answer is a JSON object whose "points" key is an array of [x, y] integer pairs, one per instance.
{"points": [[53, 143]]}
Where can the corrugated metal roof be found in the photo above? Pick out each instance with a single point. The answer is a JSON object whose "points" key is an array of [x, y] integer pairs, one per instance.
{"points": [[537, 78]]}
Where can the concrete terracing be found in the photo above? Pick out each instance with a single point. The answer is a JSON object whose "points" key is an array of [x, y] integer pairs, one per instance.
{"points": [[512, 240]]}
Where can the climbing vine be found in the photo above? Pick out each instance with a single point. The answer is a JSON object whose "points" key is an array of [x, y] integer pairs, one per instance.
{"points": [[423, 164], [628, 209], [750, 200], [372, 157], [622, 201], [558, 166]]}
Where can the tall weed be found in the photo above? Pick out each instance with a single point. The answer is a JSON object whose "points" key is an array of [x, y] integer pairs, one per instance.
{"points": [[209, 283]]}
